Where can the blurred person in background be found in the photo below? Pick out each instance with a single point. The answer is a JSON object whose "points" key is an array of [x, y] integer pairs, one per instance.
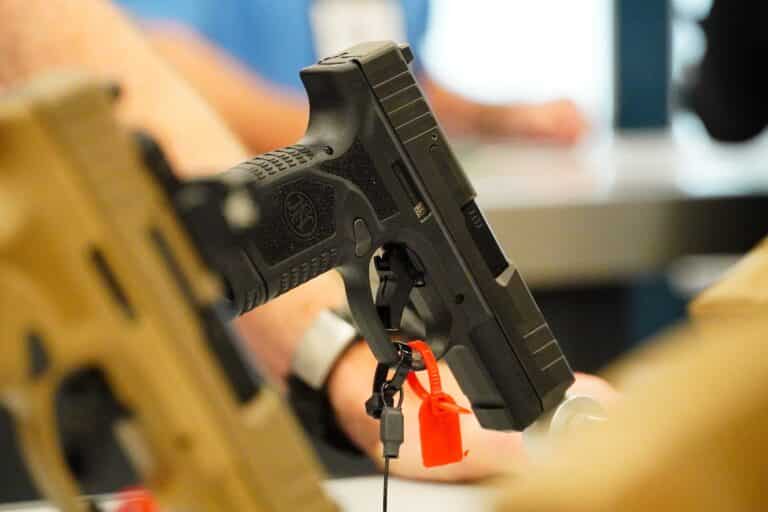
{"points": [[730, 91], [244, 56]]}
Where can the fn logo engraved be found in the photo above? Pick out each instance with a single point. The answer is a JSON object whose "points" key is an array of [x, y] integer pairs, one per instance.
{"points": [[300, 214]]}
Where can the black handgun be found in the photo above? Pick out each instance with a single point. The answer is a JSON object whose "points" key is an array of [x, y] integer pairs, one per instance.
{"points": [[374, 174]]}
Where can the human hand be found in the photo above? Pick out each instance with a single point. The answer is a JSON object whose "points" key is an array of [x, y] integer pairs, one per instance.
{"points": [[490, 452], [559, 121]]}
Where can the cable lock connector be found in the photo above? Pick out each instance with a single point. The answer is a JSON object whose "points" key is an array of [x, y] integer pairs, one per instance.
{"points": [[391, 431], [384, 390], [381, 406]]}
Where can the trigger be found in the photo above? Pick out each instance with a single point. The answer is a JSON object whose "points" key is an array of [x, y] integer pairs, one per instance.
{"points": [[397, 278], [366, 314], [362, 236]]}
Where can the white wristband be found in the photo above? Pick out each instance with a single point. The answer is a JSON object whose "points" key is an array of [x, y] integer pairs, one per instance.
{"points": [[320, 347]]}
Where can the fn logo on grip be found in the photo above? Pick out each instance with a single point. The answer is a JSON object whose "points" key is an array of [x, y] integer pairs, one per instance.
{"points": [[300, 214]]}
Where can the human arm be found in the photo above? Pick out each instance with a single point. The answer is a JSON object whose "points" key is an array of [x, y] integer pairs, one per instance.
{"points": [[557, 121], [96, 38], [266, 118], [262, 116]]}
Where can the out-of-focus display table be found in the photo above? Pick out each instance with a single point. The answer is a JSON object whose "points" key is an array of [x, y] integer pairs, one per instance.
{"points": [[364, 495], [620, 205]]}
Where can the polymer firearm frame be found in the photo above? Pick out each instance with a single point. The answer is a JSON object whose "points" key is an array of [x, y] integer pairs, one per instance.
{"points": [[374, 171], [102, 290]]}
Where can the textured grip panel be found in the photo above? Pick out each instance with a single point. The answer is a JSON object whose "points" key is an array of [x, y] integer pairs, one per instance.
{"points": [[272, 163], [297, 208], [295, 217], [310, 269], [356, 166]]}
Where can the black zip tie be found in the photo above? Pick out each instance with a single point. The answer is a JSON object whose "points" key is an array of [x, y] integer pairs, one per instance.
{"points": [[384, 390]]}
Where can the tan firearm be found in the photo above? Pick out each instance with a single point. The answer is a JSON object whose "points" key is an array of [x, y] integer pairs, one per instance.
{"points": [[691, 432], [101, 287]]}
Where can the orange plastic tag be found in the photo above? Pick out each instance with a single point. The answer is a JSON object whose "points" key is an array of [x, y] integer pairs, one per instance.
{"points": [[438, 415], [136, 499]]}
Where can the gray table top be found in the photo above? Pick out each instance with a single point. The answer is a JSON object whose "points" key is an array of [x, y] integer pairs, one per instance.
{"points": [[617, 205]]}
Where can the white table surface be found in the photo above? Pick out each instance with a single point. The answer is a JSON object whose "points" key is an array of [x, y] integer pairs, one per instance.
{"points": [[615, 206], [681, 161], [364, 495]]}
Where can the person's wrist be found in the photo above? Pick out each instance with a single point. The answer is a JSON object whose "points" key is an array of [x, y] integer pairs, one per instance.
{"points": [[346, 375], [320, 348]]}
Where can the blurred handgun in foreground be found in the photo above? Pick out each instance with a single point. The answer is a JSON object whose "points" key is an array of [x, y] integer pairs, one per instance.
{"points": [[109, 317]]}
